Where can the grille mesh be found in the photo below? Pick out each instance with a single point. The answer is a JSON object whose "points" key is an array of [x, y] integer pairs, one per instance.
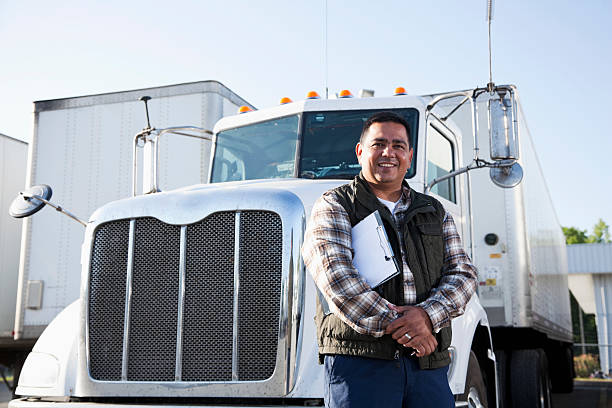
{"points": [[259, 298], [107, 301], [154, 307], [209, 294], [208, 308]]}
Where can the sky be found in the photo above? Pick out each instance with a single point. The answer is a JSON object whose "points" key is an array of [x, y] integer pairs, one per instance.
{"points": [[558, 54]]}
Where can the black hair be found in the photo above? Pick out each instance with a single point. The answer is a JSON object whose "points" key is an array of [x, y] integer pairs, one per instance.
{"points": [[381, 117]]}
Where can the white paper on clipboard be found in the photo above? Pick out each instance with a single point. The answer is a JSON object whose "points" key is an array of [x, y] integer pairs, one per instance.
{"points": [[373, 256]]}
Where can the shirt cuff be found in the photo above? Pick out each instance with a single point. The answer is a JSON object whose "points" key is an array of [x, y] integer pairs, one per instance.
{"points": [[437, 314]]}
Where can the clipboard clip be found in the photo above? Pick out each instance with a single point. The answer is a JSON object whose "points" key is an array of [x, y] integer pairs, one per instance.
{"points": [[382, 241]]}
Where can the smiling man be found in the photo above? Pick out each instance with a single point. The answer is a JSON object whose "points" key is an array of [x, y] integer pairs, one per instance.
{"points": [[386, 346]]}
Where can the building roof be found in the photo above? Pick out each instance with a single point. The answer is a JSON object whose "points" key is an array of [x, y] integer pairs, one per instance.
{"points": [[589, 258]]}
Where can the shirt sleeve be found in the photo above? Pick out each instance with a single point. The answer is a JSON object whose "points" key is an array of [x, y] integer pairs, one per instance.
{"points": [[458, 281], [328, 256]]}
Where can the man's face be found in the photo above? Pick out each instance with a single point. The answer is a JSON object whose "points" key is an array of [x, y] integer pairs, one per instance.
{"points": [[385, 155]]}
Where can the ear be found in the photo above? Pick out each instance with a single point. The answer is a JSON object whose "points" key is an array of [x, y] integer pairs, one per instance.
{"points": [[358, 151], [410, 158]]}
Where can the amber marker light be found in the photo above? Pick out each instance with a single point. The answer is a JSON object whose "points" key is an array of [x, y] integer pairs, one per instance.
{"points": [[400, 90], [244, 109], [285, 100], [312, 95], [345, 93]]}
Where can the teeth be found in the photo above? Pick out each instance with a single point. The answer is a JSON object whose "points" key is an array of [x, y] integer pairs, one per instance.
{"points": [[386, 165]]}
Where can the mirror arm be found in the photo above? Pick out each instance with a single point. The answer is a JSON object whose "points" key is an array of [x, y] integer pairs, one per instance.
{"points": [[181, 131], [57, 207], [476, 164]]}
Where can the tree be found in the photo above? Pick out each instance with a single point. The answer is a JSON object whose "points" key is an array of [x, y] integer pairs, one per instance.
{"points": [[574, 236], [601, 233]]}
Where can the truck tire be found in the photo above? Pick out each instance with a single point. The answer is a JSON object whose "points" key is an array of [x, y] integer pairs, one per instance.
{"points": [[562, 372], [475, 390], [529, 380], [501, 362]]}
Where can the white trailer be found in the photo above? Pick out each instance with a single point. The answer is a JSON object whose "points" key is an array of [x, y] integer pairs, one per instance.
{"points": [[13, 155], [519, 248], [199, 295], [83, 147]]}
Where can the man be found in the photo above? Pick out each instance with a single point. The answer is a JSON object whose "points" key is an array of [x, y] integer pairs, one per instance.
{"points": [[387, 346]]}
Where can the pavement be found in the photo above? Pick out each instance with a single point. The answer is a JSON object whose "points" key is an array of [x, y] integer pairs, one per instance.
{"points": [[5, 395], [587, 394]]}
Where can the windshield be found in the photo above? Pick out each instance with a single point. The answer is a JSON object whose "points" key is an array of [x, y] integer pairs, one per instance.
{"points": [[329, 139], [260, 151]]}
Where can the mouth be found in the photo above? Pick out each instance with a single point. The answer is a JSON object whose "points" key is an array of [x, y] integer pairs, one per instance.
{"points": [[386, 164]]}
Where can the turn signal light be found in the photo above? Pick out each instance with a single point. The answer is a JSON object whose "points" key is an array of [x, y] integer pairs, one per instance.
{"points": [[312, 95], [400, 90], [244, 109], [345, 93]]}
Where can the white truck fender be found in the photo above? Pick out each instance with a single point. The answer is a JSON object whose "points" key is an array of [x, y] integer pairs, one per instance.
{"points": [[50, 369], [464, 328]]}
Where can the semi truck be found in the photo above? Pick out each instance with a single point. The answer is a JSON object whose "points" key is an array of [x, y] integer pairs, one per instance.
{"points": [[199, 296], [83, 147]]}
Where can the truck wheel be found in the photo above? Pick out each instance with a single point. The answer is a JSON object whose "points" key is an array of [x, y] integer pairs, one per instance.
{"points": [[562, 373], [529, 381], [475, 390], [501, 360]]}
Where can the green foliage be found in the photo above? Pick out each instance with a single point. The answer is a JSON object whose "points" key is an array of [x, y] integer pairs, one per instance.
{"points": [[600, 235], [585, 364], [574, 236]]}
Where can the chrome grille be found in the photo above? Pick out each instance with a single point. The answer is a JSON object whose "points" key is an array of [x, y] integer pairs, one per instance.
{"points": [[226, 334], [258, 326], [154, 306], [209, 294], [107, 301]]}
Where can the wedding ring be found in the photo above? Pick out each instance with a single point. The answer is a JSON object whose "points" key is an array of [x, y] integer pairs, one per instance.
{"points": [[409, 337]]}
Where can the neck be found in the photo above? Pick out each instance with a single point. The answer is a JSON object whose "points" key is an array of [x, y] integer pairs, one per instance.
{"points": [[387, 194]]}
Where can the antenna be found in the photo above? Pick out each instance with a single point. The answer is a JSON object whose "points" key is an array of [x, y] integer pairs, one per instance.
{"points": [[490, 85], [325, 64], [146, 99]]}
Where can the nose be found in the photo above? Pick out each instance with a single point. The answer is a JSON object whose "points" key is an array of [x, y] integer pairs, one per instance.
{"points": [[387, 151]]}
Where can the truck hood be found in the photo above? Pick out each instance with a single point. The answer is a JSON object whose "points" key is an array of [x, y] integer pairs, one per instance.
{"points": [[190, 204]]}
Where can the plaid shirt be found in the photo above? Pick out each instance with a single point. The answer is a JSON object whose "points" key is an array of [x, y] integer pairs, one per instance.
{"points": [[328, 255]]}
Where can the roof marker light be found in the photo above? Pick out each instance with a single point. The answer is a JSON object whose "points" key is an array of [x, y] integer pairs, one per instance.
{"points": [[244, 109], [345, 93], [312, 95], [285, 100], [400, 90]]}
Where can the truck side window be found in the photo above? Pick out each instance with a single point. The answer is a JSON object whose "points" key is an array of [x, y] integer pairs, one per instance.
{"points": [[440, 161]]}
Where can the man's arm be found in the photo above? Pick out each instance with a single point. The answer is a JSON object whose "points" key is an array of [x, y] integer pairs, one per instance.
{"points": [[458, 281], [328, 256], [446, 301]]}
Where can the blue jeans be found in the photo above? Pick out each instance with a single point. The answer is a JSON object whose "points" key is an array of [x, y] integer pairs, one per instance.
{"points": [[366, 382]]}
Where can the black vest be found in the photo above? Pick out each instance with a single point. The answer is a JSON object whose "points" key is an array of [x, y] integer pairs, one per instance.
{"points": [[424, 249]]}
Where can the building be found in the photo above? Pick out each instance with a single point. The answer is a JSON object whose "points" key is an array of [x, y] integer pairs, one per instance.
{"points": [[590, 280]]}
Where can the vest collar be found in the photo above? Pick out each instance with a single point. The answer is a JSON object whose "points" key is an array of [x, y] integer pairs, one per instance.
{"points": [[419, 203]]}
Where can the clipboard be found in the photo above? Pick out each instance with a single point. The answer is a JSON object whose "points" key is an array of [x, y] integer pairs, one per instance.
{"points": [[373, 256]]}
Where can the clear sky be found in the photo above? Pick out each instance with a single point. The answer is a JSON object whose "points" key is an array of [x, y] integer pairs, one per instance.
{"points": [[558, 53]]}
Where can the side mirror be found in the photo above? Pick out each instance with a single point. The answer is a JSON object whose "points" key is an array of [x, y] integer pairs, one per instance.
{"points": [[30, 201], [503, 125]]}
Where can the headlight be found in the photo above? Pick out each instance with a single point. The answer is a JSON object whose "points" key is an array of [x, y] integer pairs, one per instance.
{"points": [[40, 371]]}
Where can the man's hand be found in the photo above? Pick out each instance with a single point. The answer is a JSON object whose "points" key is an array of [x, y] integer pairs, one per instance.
{"points": [[415, 322]]}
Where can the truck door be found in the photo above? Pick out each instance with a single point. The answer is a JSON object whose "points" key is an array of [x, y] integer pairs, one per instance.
{"points": [[441, 157]]}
